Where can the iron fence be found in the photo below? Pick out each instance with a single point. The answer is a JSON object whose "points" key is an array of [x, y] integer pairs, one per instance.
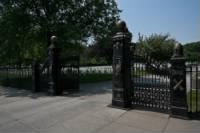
{"points": [[102, 69], [193, 89], [18, 76]]}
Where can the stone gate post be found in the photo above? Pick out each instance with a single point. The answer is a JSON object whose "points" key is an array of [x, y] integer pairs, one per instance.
{"points": [[54, 68], [121, 96], [178, 84]]}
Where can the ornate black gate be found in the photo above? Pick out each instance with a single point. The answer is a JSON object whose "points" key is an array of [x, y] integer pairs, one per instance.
{"points": [[143, 82], [150, 84]]}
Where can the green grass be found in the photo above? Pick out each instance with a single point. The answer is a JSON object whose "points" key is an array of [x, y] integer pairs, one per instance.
{"points": [[191, 99], [139, 72]]}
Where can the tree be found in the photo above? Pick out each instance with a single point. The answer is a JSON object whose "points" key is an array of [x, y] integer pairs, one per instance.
{"points": [[156, 47], [102, 49], [32, 22], [192, 51]]}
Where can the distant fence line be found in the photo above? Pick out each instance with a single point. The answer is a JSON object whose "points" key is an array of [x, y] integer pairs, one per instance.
{"points": [[8, 72], [13, 71], [24, 71], [96, 69]]}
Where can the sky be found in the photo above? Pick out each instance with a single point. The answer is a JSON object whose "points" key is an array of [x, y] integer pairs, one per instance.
{"points": [[179, 18]]}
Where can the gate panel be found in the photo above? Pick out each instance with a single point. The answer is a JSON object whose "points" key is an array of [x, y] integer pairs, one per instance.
{"points": [[193, 90], [70, 74], [150, 85]]}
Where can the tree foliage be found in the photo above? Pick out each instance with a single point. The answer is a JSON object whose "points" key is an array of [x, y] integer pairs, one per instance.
{"points": [[156, 47], [192, 51], [102, 49], [26, 25]]}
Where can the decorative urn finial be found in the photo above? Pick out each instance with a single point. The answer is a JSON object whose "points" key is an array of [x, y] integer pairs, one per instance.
{"points": [[121, 26], [53, 39], [178, 50]]}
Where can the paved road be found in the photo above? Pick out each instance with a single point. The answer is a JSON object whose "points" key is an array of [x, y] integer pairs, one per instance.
{"points": [[85, 112]]}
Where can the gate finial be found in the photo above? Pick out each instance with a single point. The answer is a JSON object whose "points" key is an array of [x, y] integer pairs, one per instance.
{"points": [[123, 29], [178, 50], [121, 26], [53, 39]]}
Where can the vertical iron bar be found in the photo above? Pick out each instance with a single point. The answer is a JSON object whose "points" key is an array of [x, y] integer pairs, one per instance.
{"points": [[147, 89], [134, 81], [143, 88], [164, 87], [196, 88], [155, 87], [151, 89], [139, 81], [165, 83], [168, 89], [138, 87], [7, 74], [160, 90], [190, 88]]}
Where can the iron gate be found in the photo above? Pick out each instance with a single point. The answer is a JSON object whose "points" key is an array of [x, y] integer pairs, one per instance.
{"points": [[150, 84], [143, 82], [193, 90]]}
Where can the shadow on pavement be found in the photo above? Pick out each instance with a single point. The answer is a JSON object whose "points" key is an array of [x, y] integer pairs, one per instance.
{"points": [[85, 90]]}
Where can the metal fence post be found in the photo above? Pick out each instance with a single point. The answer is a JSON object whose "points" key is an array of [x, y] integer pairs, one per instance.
{"points": [[36, 76], [121, 67], [178, 102], [54, 68]]}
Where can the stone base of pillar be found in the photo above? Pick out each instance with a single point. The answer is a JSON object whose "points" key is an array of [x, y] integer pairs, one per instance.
{"points": [[120, 104], [179, 112]]}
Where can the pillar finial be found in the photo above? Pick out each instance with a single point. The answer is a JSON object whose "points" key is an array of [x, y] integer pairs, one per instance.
{"points": [[178, 50], [121, 26], [53, 39]]}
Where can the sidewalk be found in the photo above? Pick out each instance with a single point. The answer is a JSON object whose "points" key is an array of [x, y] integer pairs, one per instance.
{"points": [[85, 112]]}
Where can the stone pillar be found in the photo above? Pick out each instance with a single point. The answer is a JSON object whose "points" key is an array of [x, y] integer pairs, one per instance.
{"points": [[54, 68], [178, 84], [121, 96]]}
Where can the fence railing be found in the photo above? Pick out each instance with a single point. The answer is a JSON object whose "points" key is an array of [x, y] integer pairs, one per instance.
{"points": [[106, 69], [16, 76]]}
